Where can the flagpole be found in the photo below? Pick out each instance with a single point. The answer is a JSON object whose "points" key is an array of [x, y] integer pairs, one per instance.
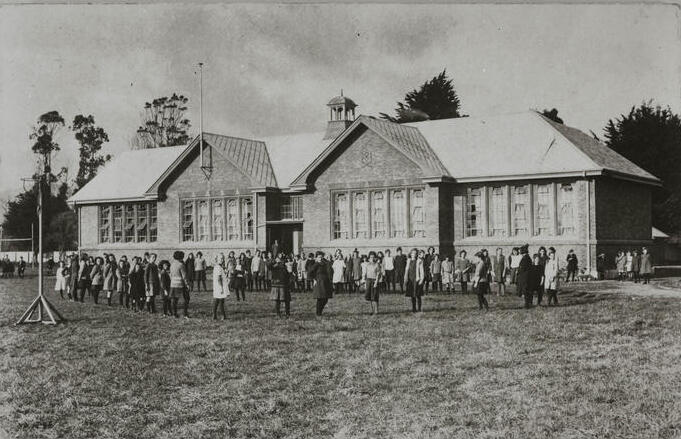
{"points": [[40, 234]]}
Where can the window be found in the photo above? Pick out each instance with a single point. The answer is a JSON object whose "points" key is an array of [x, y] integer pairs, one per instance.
{"points": [[360, 223], [378, 214], [247, 214], [292, 208], [142, 223], [497, 212], [232, 219], [519, 204], [202, 215], [153, 222], [129, 229], [473, 212], [398, 213], [187, 221], [417, 225], [566, 214], [542, 209], [340, 215], [104, 224], [218, 214], [118, 223]]}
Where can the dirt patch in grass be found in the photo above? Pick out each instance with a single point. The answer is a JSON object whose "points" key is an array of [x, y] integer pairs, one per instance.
{"points": [[603, 364]]}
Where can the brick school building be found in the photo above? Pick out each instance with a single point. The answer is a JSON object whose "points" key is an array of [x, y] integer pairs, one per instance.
{"points": [[371, 184]]}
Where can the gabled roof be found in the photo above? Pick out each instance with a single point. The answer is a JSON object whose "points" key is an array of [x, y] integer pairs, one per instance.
{"points": [[521, 145], [249, 156], [128, 175], [405, 139], [600, 154]]}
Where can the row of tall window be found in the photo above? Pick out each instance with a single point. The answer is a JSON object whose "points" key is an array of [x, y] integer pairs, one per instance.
{"points": [[550, 206], [378, 213], [129, 222], [217, 219]]}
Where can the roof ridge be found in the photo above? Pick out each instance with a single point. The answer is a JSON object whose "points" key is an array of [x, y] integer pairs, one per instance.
{"points": [[231, 137]]}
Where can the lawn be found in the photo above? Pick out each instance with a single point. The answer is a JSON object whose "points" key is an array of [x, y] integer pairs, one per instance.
{"points": [[603, 364]]}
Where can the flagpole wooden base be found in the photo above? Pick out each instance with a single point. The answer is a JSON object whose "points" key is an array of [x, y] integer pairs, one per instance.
{"points": [[41, 311]]}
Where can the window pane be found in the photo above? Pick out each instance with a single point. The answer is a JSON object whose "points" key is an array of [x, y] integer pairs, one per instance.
{"points": [[153, 222], [520, 202], [340, 209], [118, 223], [188, 221], [398, 212], [203, 220], [566, 214], [247, 213], [218, 214], [418, 227], [286, 210], [142, 223], [542, 209], [473, 212], [378, 214], [129, 231], [104, 224], [232, 219], [497, 211], [297, 207], [360, 225]]}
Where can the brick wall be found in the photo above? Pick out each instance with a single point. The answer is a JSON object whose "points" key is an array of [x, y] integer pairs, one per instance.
{"points": [[188, 181], [350, 169]]}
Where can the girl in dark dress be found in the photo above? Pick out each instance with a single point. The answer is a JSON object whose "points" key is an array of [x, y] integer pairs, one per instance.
{"points": [[320, 273], [189, 267], [137, 290], [414, 276], [280, 291], [238, 280]]}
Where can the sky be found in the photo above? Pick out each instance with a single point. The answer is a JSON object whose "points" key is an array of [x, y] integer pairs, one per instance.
{"points": [[271, 69]]}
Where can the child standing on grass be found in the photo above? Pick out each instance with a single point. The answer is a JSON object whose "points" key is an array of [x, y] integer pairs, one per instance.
{"points": [[463, 267], [414, 277], [109, 277], [338, 268], [636, 266], [178, 283], [152, 283], [60, 283], [137, 292], [481, 280], [436, 272], [97, 278], [238, 280], [122, 283], [220, 287], [551, 277], [620, 263], [629, 266], [371, 277], [447, 274], [280, 291], [164, 278], [536, 279], [499, 271], [646, 265], [514, 263]]}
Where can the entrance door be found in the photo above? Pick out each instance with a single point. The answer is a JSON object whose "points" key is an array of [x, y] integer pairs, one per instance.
{"points": [[288, 236]]}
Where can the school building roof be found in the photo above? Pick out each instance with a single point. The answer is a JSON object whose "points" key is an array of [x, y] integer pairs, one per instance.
{"points": [[513, 146]]}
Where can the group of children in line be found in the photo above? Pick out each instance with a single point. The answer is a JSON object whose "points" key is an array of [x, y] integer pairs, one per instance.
{"points": [[634, 266], [8, 268], [139, 281]]}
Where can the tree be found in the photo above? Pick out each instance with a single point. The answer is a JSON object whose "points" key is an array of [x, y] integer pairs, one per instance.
{"points": [[91, 139], [62, 232], [435, 99], [553, 115], [650, 136], [43, 133], [163, 123]]}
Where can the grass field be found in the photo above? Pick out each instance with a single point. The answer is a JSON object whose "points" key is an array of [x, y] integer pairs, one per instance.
{"points": [[601, 365]]}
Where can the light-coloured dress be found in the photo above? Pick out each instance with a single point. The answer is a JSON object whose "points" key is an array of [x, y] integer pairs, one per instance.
{"points": [[338, 271], [551, 274], [60, 284], [220, 283]]}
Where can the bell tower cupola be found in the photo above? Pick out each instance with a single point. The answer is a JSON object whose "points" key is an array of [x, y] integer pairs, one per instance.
{"points": [[341, 115]]}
